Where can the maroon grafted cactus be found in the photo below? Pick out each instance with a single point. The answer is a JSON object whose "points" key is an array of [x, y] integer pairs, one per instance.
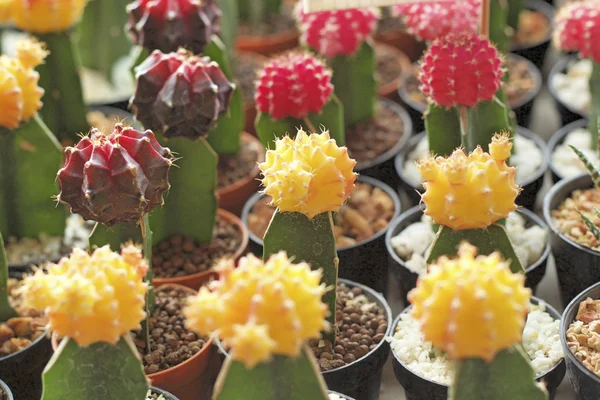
{"points": [[167, 25], [115, 178], [180, 95]]}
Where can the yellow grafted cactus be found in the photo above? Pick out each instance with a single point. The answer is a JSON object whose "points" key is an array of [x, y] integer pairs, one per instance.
{"points": [[471, 306], [11, 100], [43, 16], [261, 308], [91, 298], [309, 174], [470, 191]]}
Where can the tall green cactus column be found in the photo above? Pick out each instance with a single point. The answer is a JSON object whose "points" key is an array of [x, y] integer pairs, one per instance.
{"points": [[6, 310], [594, 117]]}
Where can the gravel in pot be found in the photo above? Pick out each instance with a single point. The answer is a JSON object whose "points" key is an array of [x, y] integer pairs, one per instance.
{"points": [[564, 163], [156, 393], [533, 37], [5, 393], [568, 83]]}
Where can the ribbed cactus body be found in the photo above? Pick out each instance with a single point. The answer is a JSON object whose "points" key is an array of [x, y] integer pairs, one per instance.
{"points": [[578, 28]]}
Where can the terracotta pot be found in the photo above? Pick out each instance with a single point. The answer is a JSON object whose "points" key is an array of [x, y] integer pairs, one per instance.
{"points": [[233, 197], [390, 89], [270, 44], [402, 40], [195, 281]]}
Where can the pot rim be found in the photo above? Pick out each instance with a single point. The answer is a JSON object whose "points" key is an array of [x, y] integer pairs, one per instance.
{"points": [[391, 87], [548, 11], [529, 96], [526, 133], [168, 395], [231, 219], [343, 396], [564, 326], [559, 137], [363, 179], [560, 67], [408, 214], [6, 390], [254, 172], [535, 300], [243, 42]]}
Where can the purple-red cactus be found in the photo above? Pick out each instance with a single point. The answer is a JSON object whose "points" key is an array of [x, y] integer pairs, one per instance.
{"points": [[115, 178]]}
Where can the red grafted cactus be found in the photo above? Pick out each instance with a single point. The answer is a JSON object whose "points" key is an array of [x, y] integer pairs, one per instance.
{"points": [[434, 19], [577, 27], [166, 25], [180, 95], [339, 32], [293, 85], [461, 70], [116, 177]]}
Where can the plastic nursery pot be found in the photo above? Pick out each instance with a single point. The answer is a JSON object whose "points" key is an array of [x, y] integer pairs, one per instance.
{"points": [[164, 393], [4, 389], [530, 187], [577, 266], [419, 388], [342, 396], [536, 52], [402, 40], [557, 139], [390, 89], [233, 197], [567, 112], [382, 166], [365, 262], [269, 44], [584, 382], [195, 281], [22, 371], [407, 280]]}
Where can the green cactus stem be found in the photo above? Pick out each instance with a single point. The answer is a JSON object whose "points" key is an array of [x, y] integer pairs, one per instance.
{"points": [[256, 12], [498, 24], [311, 241], [508, 376], [330, 117], [64, 110], [98, 372], [6, 310], [355, 85], [514, 11], [229, 23], [29, 155], [101, 39], [485, 120], [282, 378], [594, 117], [443, 130]]}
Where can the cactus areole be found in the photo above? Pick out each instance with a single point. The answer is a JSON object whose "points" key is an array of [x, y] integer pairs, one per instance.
{"points": [[180, 95], [167, 25], [116, 177]]}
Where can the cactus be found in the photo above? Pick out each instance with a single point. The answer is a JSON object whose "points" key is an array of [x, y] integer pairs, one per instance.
{"points": [[344, 38], [256, 12], [29, 152], [6, 310], [481, 307], [51, 22], [269, 358], [595, 175], [308, 178], [97, 350], [229, 23], [293, 90]]}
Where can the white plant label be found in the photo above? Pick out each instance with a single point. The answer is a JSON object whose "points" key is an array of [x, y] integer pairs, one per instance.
{"points": [[326, 5]]}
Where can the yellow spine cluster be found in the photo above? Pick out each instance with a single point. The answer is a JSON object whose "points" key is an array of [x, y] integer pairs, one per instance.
{"points": [[20, 95], [261, 308], [91, 298], [470, 191], [309, 174], [471, 307], [42, 16]]}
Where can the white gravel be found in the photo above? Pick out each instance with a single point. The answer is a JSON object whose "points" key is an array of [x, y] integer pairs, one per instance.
{"points": [[333, 396], [540, 339], [527, 158], [572, 87], [564, 158]]}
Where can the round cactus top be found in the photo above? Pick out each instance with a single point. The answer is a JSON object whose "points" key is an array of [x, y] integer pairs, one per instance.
{"points": [[461, 70], [20, 95], [431, 20], [470, 191], [91, 298], [293, 85], [42, 16], [116, 177], [339, 32], [261, 308], [167, 25], [471, 306], [310, 174], [577, 28]]}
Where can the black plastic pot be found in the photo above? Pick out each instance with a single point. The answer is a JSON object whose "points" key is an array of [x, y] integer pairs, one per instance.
{"points": [[382, 167], [22, 371], [343, 396], [364, 262], [6, 391], [419, 388], [557, 139], [407, 280], [567, 113], [577, 266], [164, 393], [584, 382], [536, 52], [531, 187], [522, 109]]}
